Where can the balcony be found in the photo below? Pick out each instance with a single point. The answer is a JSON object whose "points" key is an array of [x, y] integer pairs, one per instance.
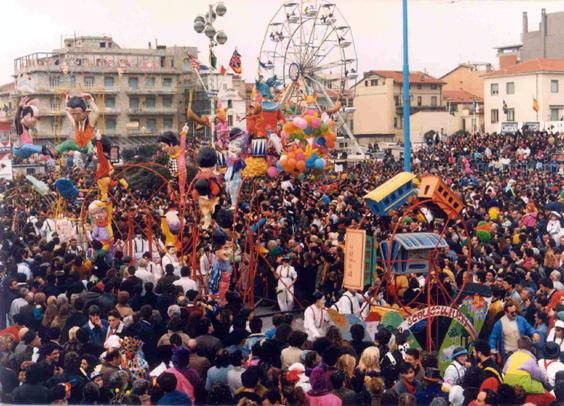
{"points": [[416, 109], [151, 90], [152, 111]]}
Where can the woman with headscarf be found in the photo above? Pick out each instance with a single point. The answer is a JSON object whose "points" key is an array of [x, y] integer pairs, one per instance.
{"points": [[319, 394]]}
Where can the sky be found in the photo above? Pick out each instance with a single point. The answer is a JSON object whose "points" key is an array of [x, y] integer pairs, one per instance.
{"points": [[442, 33]]}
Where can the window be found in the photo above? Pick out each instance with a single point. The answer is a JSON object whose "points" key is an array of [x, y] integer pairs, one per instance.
{"points": [[419, 86], [374, 82], [396, 100], [150, 102], [102, 45], [229, 120], [109, 102], [433, 101], [510, 114], [229, 104], [495, 116], [150, 82], [167, 82], [186, 64], [366, 83], [133, 83], [167, 123], [167, 101], [72, 81], [510, 88], [110, 123], [54, 81], [434, 87], [89, 81], [494, 89], [151, 124], [133, 103], [395, 122], [419, 100], [554, 86], [108, 81], [554, 114]]}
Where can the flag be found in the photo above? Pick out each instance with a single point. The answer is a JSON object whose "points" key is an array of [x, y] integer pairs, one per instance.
{"points": [[504, 107], [476, 107], [535, 105], [222, 70], [213, 59], [235, 62], [195, 63]]}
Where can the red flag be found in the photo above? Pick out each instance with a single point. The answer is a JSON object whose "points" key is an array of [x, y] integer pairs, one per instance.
{"points": [[223, 71], [235, 62]]}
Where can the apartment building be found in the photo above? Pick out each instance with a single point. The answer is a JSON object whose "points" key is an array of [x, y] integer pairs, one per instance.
{"points": [[139, 92], [510, 93], [378, 102]]}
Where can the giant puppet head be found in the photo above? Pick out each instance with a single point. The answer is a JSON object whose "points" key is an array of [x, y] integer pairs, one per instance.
{"points": [[77, 108], [168, 142], [98, 211], [238, 143], [29, 115]]}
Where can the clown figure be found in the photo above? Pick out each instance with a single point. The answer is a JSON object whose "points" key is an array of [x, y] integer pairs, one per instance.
{"points": [[235, 163], [207, 185], [104, 169], [101, 214], [176, 151]]}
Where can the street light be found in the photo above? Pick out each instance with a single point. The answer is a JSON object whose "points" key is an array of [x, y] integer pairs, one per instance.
{"points": [[203, 23]]}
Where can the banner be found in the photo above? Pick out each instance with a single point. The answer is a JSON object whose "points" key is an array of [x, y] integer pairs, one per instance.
{"points": [[390, 318], [474, 308], [509, 127], [439, 311], [355, 242]]}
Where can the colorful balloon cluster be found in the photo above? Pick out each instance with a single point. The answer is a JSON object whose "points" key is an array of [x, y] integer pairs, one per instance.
{"points": [[307, 140]]}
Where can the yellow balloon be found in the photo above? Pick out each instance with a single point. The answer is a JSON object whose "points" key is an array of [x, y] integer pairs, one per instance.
{"points": [[494, 213]]}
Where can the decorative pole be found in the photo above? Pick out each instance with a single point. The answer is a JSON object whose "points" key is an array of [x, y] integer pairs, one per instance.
{"points": [[406, 106]]}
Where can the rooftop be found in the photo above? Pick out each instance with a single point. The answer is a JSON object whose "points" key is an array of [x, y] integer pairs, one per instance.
{"points": [[530, 66], [461, 96], [397, 76]]}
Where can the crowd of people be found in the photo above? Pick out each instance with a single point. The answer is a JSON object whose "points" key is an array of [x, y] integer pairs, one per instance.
{"points": [[136, 327]]}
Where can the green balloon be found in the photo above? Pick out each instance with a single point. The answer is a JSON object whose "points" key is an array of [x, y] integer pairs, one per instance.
{"points": [[317, 132], [324, 127]]}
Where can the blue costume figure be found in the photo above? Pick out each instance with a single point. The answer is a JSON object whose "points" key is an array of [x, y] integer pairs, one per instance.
{"points": [[220, 269], [236, 154]]}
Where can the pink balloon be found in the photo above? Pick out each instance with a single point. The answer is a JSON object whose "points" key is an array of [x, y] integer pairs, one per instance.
{"points": [[315, 123], [297, 121], [300, 157], [272, 172], [283, 134], [302, 123]]}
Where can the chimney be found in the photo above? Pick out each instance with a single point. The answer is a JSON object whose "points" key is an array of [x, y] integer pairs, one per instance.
{"points": [[507, 57], [543, 31], [525, 23], [149, 44]]}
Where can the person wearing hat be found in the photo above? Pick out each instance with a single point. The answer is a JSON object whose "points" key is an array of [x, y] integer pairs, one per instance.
{"points": [[551, 364], [553, 226], [286, 275], [457, 368], [556, 335], [315, 317]]}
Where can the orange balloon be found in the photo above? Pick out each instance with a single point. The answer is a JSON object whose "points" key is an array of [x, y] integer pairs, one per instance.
{"points": [[291, 164], [301, 166], [308, 119], [289, 127], [331, 144], [291, 155]]}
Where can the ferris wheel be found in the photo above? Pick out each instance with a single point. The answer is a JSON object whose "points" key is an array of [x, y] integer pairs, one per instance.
{"points": [[310, 48]]}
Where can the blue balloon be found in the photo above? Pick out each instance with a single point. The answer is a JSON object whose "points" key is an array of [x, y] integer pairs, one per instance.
{"points": [[320, 141], [279, 167], [307, 131], [319, 163]]}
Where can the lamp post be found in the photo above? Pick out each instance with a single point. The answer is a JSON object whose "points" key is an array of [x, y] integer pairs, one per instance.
{"points": [[406, 106], [204, 24]]}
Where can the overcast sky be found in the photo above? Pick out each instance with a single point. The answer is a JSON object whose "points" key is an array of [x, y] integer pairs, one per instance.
{"points": [[442, 34]]}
